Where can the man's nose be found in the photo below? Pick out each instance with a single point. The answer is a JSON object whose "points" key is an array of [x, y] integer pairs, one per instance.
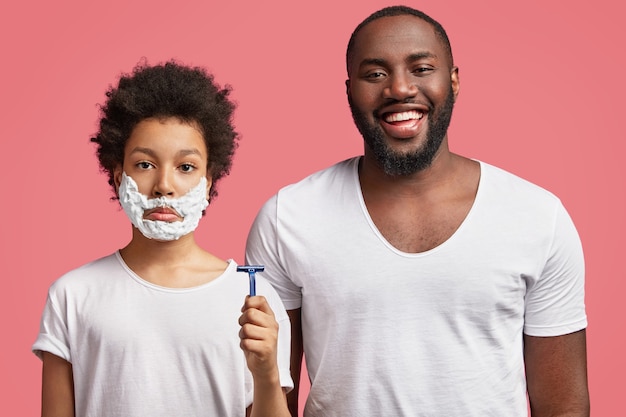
{"points": [[400, 87]]}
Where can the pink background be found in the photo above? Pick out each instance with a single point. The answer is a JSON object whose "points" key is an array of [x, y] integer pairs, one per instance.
{"points": [[541, 95]]}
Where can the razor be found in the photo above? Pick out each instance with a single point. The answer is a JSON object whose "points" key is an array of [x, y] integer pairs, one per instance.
{"points": [[251, 270]]}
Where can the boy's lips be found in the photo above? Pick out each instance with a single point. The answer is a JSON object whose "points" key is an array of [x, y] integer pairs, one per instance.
{"points": [[163, 214]]}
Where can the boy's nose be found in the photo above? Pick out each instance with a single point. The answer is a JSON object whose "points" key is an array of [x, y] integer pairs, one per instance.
{"points": [[163, 186]]}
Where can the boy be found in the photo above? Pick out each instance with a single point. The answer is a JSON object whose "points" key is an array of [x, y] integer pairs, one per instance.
{"points": [[157, 328]]}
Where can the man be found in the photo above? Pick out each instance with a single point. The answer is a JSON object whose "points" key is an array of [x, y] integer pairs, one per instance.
{"points": [[420, 282]]}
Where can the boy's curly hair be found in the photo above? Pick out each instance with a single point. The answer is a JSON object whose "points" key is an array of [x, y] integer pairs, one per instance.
{"points": [[161, 91]]}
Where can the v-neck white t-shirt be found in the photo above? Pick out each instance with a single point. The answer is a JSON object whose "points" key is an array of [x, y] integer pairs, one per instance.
{"points": [[437, 333]]}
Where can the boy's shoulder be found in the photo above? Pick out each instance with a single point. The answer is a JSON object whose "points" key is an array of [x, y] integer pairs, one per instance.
{"points": [[94, 269]]}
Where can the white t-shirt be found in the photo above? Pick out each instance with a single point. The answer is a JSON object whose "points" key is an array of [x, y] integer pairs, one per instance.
{"points": [[437, 333], [138, 349]]}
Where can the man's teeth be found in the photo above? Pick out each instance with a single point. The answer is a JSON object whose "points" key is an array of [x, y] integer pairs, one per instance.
{"points": [[406, 115]]}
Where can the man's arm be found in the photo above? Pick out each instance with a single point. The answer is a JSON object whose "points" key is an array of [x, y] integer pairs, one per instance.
{"points": [[296, 359], [57, 393], [556, 375]]}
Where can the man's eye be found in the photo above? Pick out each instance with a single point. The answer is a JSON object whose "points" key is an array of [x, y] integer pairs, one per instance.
{"points": [[375, 75], [422, 70]]}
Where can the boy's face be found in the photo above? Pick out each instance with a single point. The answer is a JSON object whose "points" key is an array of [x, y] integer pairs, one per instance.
{"points": [[166, 158]]}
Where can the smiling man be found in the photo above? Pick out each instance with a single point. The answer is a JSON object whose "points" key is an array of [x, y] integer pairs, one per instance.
{"points": [[420, 282]]}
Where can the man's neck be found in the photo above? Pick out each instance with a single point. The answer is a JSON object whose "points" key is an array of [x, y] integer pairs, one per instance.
{"points": [[443, 169]]}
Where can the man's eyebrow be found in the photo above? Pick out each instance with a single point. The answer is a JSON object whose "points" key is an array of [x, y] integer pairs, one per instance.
{"points": [[420, 55], [411, 58], [372, 61]]}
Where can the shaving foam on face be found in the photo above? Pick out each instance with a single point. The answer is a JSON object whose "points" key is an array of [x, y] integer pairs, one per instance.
{"points": [[190, 207]]}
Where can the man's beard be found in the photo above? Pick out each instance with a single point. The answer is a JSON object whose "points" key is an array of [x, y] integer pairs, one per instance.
{"points": [[401, 164]]}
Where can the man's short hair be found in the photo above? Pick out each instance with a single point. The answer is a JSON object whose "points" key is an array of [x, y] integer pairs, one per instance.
{"points": [[398, 11]]}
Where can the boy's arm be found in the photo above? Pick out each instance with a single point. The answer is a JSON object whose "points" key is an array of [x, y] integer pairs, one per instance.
{"points": [[259, 341], [57, 393]]}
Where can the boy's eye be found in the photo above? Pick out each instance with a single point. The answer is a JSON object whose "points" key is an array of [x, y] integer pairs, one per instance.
{"points": [[144, 165], [187, 167]]}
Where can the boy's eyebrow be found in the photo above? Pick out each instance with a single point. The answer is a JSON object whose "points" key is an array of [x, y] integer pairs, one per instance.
{"points": [[182, 152], [139, 149], [192, 151]]}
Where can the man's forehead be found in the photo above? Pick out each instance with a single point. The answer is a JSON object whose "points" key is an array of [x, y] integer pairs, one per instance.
{"points": [[389, 28], [406, 34]]}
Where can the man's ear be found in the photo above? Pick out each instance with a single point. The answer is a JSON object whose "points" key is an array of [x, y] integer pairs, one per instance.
{"points": [[456, 83]]}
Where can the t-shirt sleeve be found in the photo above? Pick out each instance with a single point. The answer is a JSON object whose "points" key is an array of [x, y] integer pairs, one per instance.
{"points": [[284, 341], [53, 334], [554, 303], [263, 247]]}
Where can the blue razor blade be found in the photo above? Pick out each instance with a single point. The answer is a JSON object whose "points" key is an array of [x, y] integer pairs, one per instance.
{"points": [[251, 270]]}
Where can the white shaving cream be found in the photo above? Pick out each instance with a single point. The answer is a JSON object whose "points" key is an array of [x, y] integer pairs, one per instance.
{"points": [[190, 207]]}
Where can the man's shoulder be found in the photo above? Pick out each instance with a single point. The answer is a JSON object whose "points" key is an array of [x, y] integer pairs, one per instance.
{"points": [[336, 174], [506, 181], [318, 191]]}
